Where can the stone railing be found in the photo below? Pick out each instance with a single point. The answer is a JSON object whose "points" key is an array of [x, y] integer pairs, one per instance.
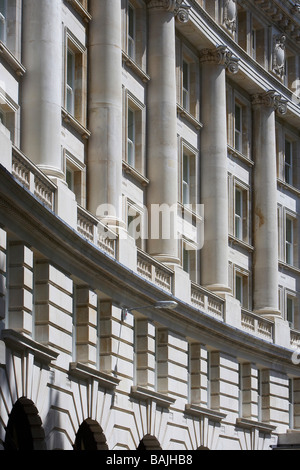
{"points": [[207, 302], [33, 179], [96, 232], [257, 325], [155, 272]]}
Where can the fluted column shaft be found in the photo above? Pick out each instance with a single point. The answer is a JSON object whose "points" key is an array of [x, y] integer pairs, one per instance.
{"points": [[41, 103], [105, 110], [265, 230], [214, 184]]}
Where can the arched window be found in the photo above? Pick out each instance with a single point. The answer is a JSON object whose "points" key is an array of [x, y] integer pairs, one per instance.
{"points": [[24, 428], [90, 436], [149, 443]]}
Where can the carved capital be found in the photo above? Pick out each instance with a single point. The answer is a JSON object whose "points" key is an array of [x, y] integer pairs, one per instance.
{"points": [[220, 56], [271, 100], [178, 7]]}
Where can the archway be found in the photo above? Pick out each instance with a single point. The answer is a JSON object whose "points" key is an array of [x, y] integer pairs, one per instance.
{"points": [[149, 443], [24, 429], [90, 436]]}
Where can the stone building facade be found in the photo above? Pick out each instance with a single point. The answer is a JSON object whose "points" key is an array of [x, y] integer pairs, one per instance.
{"points": [[149, 153]]}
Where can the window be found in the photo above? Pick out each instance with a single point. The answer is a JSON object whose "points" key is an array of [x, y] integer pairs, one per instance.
{"points": [[240, 388], [259, 395], [241, 212], [3, 20], [135, 224], [289, 240], [189, 259], [186, 85], [241, 287], [291, 403], [131, 137], [70, 81], [253, 43], [131, 32], [288, 162], [238, 215], [75, 78], [188, 188], [238, 126], [290, 307], [134, 133], [75, 176], [186, 183]]}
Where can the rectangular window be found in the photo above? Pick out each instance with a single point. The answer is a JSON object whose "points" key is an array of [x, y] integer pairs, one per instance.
{"points": [[186, 189], [259, 395], [70, 82], [186, 85], [253, 43], [240, 385], [238, 116], [289, 240], [288, 162], [131, 32], [131, 137], [238, 215], [3, 20], [291, 403], [241, 288], [290, 307]]}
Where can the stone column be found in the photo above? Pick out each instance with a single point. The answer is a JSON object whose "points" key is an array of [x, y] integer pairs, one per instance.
{"points": [[105, 111], [162, 157], [265, 229], [214, 185], [42, 84]]}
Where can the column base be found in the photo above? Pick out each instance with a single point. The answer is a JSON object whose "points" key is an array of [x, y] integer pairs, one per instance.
{"points": [[268, 312], [218, 289], [169, 260]]}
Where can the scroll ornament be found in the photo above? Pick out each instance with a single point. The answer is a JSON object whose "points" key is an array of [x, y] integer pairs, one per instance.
{"points": [[221, 56], [270, 99], [178, 7]]}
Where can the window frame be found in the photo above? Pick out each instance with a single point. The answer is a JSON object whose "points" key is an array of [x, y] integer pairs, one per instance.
{"points": [[78, 171], [244, 276], [79, 51], [139, 109], [131, 39], [3, 20], [244, 217]]}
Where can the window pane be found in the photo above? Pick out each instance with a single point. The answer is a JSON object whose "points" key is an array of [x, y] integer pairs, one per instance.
{"points": [[290, 309], [131, 137], [70, 81], [239, 288], [185, 179], [131, 32]]}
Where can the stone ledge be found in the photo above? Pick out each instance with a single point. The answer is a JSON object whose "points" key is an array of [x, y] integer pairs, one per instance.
{"points": [[251, 424], [85, 372], [19, 342], [144, 394], [199, 411]]}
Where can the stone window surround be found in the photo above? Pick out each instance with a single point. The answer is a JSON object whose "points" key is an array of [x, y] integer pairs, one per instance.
{"points": [[11, 112], [130, 101]]}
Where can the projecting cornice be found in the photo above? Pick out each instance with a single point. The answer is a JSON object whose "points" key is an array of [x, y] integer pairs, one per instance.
{"points": [[220, 56], [270, 99], [178, 7]]}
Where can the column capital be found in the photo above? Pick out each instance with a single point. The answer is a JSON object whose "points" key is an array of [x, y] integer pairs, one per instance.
{"points": [[220, 56], [271, 100], [178, 7]]}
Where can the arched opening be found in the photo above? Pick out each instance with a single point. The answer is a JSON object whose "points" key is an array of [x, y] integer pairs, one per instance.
{"points": [[90, 436], [149, 443], [24, 429]]}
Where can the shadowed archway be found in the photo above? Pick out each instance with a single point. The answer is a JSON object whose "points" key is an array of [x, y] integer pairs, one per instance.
{"points": [[90, 436], [149, 443]]}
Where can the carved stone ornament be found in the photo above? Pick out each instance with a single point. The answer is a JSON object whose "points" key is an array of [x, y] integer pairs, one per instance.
{"points": [[270, 100], [220, 56], [178, 7], [229, 15], [279, 54]]}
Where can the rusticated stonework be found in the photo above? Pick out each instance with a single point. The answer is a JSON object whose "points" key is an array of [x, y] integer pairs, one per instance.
{"points": [[221, 56], [181, 11], [270, 99]]}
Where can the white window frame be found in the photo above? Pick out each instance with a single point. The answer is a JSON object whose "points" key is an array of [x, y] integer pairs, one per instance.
{"points": [[138, 144], [291, 403], [133, 212], [186, 84], [238, 130], [70, 82], [131, 35], [77, 170], [288, 166], [289, 241], [131, 136], [238, 213], [243, 276], [3, 21], [242, 220]]}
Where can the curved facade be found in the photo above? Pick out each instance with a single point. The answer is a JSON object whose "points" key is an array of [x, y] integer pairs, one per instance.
{"points": [[149, 153]]}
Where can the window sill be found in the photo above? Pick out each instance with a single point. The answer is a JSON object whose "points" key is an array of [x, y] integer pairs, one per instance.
{"points": [[80, 9], [289, 187], [19, 342], [128, 169], [189, 117], [82, 371], [127, 60], [241, 243], [144, 394], [240, 156], [75, 124], [17, 67], [289, 267], [198, 411], [251, 424]]}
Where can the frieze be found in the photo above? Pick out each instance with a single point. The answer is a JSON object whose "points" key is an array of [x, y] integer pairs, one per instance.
{"points": [[220, 56]]}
